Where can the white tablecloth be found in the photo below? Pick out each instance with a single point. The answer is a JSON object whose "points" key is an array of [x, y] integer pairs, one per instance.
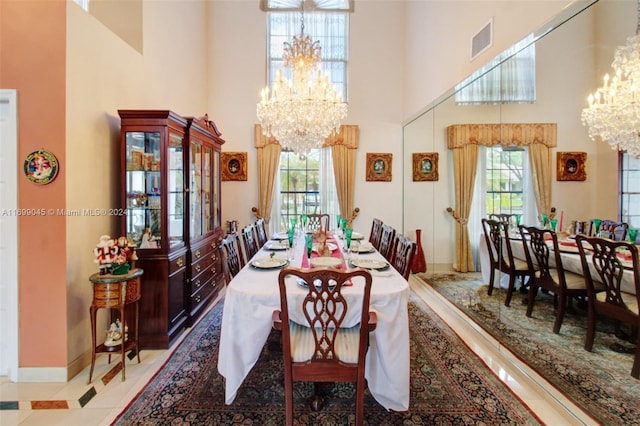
{"points": [[253, 295]]}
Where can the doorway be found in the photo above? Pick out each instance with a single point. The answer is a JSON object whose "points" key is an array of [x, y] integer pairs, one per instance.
{"points": [[9, 234]]}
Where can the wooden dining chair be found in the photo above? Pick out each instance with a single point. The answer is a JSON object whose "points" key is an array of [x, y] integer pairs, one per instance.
{"points": [[615, 230], [317, 345], [501, 257], [249, 241], [541, 246], [403, 253], [232, 259], [603, 271], [261, 232], [376, 232], [318, 221], [387, 236]]}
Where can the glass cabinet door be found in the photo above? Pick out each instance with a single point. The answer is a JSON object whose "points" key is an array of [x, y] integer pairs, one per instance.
{"points": [[143, 186], [206, 189], [195, 190], [175, 190], [215, 171]]}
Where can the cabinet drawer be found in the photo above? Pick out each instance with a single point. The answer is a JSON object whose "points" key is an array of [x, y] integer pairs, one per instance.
{"points": [[203, 264], [177, 263], [202, 294]]}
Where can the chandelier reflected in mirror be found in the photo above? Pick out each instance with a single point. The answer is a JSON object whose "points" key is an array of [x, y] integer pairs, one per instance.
{"points": [[301, 112], [613, 114]]}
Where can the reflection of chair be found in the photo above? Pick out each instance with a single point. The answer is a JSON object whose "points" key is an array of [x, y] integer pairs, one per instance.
{"points": [[615, 230], [386, 241], [613, 301], [376, 232], [232, 258], [261, 232], [563, 284], [403, 253], [496, 236], [317, 222], [324, 338], [249, 241]]}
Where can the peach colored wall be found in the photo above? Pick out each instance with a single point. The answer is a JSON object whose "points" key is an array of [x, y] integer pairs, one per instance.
{"points": [[32, 60]]}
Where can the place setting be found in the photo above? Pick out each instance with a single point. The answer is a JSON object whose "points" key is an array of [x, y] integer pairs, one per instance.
{"points": [[269, 262]]}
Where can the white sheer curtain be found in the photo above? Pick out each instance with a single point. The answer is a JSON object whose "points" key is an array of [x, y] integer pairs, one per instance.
{"points": [[330, 28], [510, 78], [328, 193]]}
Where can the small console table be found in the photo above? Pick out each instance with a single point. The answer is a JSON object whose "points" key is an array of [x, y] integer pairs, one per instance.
{"points": [[115, 292]]}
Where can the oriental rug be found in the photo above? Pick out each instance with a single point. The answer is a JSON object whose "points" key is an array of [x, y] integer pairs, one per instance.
{"points": [[449, 386], [599, 381]]}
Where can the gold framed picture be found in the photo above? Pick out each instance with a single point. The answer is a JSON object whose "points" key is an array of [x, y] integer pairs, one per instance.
{"points": [[425, 166], [571, 166], [379, 167], [234, 165]]}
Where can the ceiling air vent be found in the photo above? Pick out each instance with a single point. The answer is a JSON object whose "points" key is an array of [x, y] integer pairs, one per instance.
{"points": [[482, 40]]}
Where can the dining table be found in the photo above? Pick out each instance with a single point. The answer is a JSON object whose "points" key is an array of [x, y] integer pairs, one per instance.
{"points": [[253, 295]]}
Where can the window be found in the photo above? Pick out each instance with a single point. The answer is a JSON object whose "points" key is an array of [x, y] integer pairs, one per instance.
{"points": [[330, 28], [504, 179], [306, 185], [630, 189]]}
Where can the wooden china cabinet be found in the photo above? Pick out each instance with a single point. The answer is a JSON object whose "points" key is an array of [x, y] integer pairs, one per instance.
{"points": [[171, 193]]}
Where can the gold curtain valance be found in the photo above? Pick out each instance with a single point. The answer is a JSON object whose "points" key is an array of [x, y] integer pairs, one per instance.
{"points": [[506, 134], [348, 136]]}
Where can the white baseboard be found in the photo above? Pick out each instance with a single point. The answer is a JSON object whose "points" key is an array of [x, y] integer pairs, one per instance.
{"points": [[42, 374]]}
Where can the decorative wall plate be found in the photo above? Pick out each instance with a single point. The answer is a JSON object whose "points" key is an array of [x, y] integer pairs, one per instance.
{"points": [[41, 167]]}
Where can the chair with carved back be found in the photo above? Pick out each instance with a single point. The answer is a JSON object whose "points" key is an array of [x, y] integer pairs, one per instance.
{"points": [[501, 256], [318, 221], [387, 236], [501, 217], [376, 232], [610, 228], [261, 232], [249, 241], [232, 259], [324, 335], [403, 253], [542, 248], [603, 271]]}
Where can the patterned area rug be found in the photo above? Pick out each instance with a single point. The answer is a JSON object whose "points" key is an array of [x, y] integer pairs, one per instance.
{"points": [[599, 381], [449, 386]]}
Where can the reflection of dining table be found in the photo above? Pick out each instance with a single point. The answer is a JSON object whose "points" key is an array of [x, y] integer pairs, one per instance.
{"points": [[253, 295], [571, 261]]}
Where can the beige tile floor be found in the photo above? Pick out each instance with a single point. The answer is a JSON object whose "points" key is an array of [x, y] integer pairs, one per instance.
{"points": [[111, 399]]}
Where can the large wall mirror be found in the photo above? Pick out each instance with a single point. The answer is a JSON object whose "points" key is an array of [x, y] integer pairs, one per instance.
{"points": [[572, 53]]}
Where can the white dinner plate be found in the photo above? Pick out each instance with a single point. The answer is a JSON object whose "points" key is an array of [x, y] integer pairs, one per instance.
{"points": [[370, 264], [364, 247], [280, 236], [354, 236], [325, 262], [276, 245], [269, 262], [331, 246]]}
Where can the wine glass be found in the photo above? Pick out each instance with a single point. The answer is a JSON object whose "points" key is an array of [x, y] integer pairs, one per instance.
{"points": [[348, 233], [309, 245]]}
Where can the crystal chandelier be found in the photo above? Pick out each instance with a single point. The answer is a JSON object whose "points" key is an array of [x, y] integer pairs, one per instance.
{"points": [[613, 114], [302, 112]]}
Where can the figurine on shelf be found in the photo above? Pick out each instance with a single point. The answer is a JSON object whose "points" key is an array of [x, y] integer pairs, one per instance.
{"points": [[114, 334], [145, 241]]}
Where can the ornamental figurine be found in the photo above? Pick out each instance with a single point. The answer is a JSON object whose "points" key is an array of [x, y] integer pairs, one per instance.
{"points": [[105, 253]]}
